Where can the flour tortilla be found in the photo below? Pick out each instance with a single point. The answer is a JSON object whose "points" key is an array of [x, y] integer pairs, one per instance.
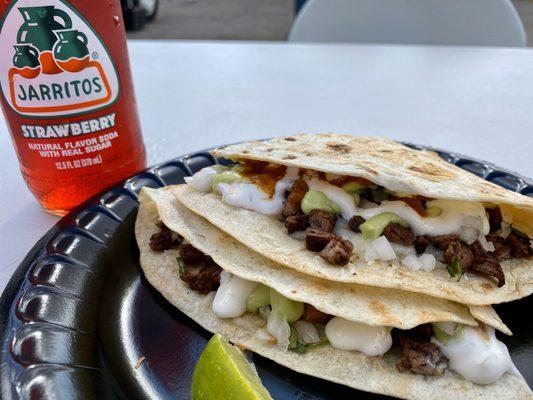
{"points": [[386, 163], [366, 304], [353, 369], [268, 237]]}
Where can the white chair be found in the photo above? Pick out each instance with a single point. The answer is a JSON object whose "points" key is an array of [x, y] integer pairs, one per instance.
{"points": [[432, 22]]}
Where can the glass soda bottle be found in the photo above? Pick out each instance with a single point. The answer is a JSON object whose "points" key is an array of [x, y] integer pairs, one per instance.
{"points": [[67, 97]]}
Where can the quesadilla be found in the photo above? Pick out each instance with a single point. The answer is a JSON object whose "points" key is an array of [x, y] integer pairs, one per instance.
{"points": [[371, 211], [384, 341]]}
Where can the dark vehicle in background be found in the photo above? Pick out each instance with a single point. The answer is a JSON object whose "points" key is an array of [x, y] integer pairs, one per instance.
{"points": [[137, 12]]}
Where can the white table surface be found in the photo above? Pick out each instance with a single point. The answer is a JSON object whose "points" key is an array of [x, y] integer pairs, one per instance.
{"points": [[193, 95]]}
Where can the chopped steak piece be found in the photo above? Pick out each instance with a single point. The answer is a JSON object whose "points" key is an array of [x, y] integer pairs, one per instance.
{"points": [[422, 358], [338, 251], [520, 245], [421, 244], [192, 256], [459, 250], [164, 239], [398, 234], [495, 218], [297, 222], [355, 221], [296, 193], [314, 316], [204, 280], [502, 249], [478, 251], [161, 225], [290, 209], [316, 240], [489, 267], [442, 241], [486, 264], [322, 220], [161, 241]]}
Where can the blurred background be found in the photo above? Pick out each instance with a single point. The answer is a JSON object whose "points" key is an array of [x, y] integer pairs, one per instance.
{"points": [[235, 19]]}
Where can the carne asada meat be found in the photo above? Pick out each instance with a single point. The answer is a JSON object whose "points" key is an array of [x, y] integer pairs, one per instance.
{"points": [[316, 240], [205, 280], [502, 249], [495, 218], [457, 249], [422, 358], [314, 316], [322, 220], [354, 223], [442, 241], [192, 256], [338, 251], [164, 239], [491, 268], [520, 245], [297, 222], [398, 234], [296, 193], [486, 263], [421, 243]]}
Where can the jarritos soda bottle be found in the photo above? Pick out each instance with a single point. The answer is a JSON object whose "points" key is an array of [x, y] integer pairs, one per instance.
{"points": [[68, 98]]}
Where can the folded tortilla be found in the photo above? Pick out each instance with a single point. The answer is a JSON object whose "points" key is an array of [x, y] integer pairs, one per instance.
{"points": [[366, 304], [350, 368], [385, 163]]}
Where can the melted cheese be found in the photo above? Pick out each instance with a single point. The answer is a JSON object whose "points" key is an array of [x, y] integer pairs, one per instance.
{"points": [[350, 335], [476, 355], [249, 196], [467, 219], [230, 298], [454, 217], [201, 180]]}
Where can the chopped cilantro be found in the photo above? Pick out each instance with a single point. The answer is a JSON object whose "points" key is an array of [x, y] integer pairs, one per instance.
{"points": [[300, 348], [181, 264], [454, 269]]}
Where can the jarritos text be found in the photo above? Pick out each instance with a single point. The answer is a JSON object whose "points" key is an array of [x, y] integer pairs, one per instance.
{"points": [[60, 67]]}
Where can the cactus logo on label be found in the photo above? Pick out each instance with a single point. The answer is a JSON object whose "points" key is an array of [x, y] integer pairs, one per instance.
{"points": [[59, 65]]}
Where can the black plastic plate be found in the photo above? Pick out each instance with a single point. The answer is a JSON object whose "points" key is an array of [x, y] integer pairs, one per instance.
{"points": [[78, 314]]}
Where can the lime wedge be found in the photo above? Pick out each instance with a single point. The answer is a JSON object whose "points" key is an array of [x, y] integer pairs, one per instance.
{"points": [[222, 372]]}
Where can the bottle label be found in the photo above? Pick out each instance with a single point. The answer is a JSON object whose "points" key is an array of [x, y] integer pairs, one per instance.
{"points": [[54, 64]]}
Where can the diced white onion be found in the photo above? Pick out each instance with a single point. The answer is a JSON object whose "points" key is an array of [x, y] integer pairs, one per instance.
{"points": [[402, 250], [425, 262], [278, 327], [412, 262], [505, 230], [428, 262], [382, 249], [307, 332], [201, 181], [488, 246]]}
